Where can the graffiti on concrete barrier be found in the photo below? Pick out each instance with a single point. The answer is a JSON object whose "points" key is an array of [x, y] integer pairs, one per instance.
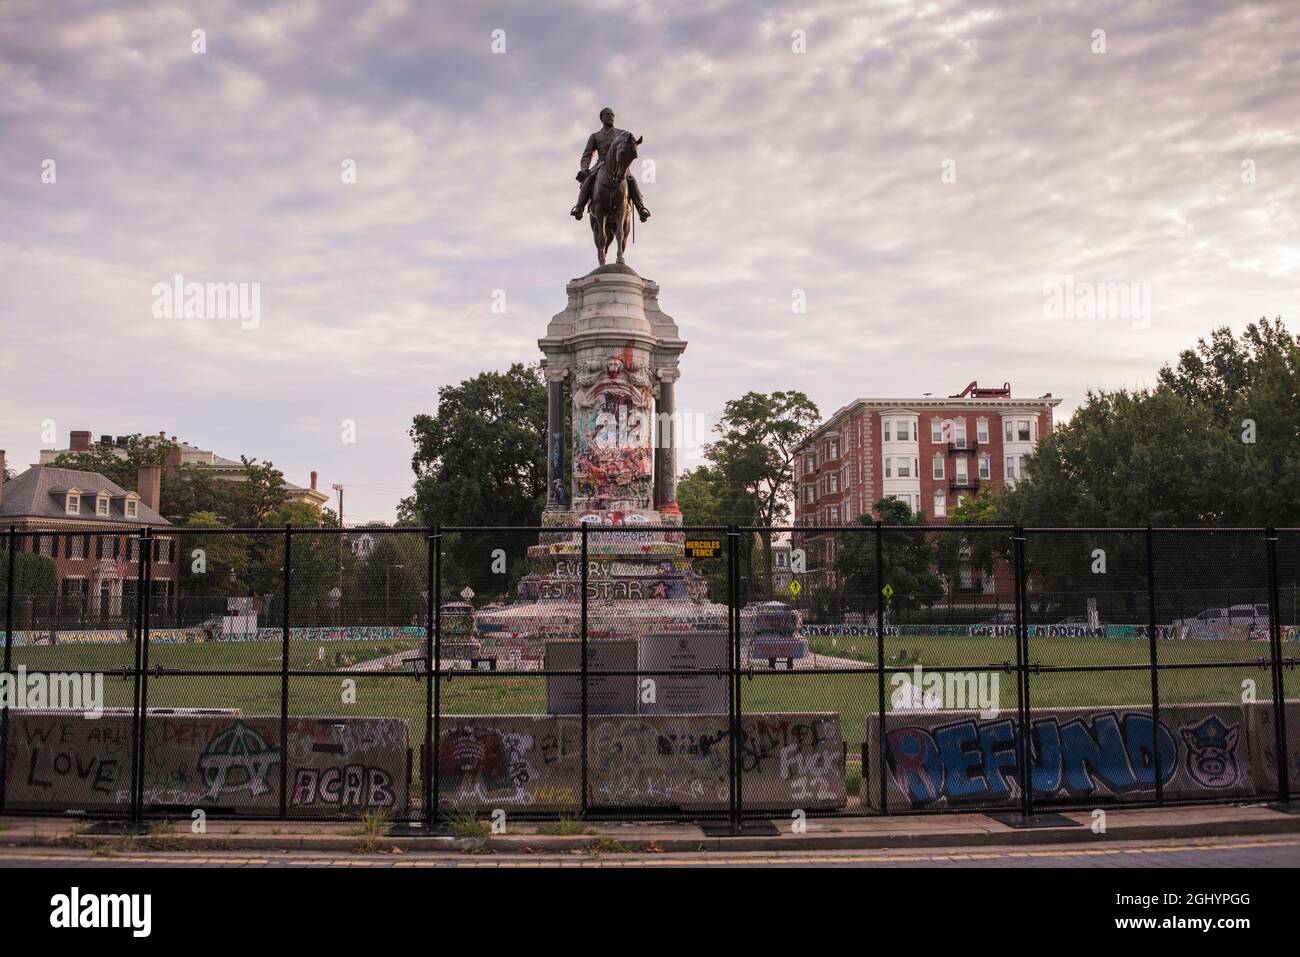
{"points": [[790, 760], [1212, 753], [978, 761], [1074, 753], [237, 759], [58, 760]]}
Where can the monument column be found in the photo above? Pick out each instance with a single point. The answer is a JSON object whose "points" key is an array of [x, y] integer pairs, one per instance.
{"points": [[666, 443], [556, 492]]}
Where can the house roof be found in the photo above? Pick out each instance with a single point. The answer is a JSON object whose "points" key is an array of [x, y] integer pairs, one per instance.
{"points": [[40, 493]]}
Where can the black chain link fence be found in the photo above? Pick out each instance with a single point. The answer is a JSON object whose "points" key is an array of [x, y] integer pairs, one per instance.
{"points": [[446, 676]]}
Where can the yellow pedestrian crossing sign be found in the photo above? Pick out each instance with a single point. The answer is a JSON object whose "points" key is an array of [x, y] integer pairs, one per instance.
{"points": [[795, 588], [888, 591]]}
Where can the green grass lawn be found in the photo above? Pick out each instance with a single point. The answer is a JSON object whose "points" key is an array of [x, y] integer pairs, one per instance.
{"points": [[851, 695]]}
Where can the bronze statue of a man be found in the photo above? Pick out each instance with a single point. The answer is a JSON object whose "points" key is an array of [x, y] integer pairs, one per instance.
{"points": [[599, 143]]}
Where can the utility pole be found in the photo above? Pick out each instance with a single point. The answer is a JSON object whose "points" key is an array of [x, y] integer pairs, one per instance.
{"points": [[339, 583]]}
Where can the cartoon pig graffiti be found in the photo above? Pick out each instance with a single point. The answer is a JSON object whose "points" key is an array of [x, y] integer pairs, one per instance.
{"points": [[1212, 753]]}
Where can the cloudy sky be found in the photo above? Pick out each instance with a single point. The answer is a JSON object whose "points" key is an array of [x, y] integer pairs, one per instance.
{"points": [[923, 172]]}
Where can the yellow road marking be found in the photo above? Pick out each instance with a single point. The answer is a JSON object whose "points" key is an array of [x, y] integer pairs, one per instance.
{"points": [[667, 860]]}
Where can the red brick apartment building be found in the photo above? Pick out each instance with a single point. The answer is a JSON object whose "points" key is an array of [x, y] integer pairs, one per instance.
{"points": [[928, 452], [95, 569]]}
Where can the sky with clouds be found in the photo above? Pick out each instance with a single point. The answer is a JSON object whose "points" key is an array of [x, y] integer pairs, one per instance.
{"points": [[922, 172]]}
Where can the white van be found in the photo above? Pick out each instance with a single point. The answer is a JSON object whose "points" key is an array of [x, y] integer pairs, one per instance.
{"points": [[1215, 622]]}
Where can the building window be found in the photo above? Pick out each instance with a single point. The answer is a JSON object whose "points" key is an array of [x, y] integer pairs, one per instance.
{"points": [[904, 431], [1011, 468], [962, 473], [961, 431], [73, 506], [982, 431], [132, 508], [986, 469], [888, 466], [938, 467], [936, 431], [77, 547], [99, 546], [47, 545], [835, 450], [1023, 433], [904, 468], [101, 505], [884, 426], [940, 505], [835, 514], [1008, 430], [835, 481]]}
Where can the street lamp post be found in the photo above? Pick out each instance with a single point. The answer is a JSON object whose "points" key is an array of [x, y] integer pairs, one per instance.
{"points": [[387, 577]]}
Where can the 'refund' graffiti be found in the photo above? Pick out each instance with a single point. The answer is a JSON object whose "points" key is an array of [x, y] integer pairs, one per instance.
{"points": [[950, 758]]}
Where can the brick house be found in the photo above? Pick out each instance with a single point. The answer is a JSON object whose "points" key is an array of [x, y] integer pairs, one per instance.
{"points": [[96, 555], [928, 452]]}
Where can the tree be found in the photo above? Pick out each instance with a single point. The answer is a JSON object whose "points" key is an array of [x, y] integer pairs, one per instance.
{"points": [[752, 463], [907, 557], [1215, 442], [481, 458], [120, 469]]}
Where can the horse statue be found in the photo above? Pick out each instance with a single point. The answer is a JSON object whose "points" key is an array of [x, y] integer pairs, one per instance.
{"points": [[611, 213]]}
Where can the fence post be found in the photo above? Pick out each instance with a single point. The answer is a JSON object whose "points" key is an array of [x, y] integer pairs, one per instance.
{"points": [[433, 671], [144, 577], [733, 592], [1022, 677], [1279, 693], [8, 661], [582, 651], [881, 759], [1155, 672], [284, 673], [732, 669]]}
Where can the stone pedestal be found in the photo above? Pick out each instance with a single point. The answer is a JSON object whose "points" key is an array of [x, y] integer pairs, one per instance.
{"points": [[618, 353]]}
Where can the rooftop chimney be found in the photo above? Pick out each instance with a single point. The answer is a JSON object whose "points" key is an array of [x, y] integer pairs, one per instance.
{"points": [[313, 480], [172, 467], [79, 442], [149, 484]]}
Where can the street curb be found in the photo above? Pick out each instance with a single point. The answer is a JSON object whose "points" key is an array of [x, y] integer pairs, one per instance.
{"points": [[643, 842]]}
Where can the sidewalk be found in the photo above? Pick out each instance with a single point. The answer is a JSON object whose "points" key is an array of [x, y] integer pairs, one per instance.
{"points": [[948, 830]]}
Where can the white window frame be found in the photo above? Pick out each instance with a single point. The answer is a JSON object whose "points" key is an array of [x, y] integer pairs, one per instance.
{"points": [[101, 505], [888, 466], [959, 435], [132, 508], [72, 506], [886, 428], [940, 505], [982, 431], [936, 430], [961, 470], [1028, 430], [986, 468], [1008, 430], [937, 467], [1011, 468]]}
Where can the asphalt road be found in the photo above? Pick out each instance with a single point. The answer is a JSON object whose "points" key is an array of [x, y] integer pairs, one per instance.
{"points": [[1208, 852]]}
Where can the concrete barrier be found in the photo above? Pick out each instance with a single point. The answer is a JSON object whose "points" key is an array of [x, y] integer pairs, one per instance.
{"points": [[639, 761], [59, 760], [956, 758]]}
